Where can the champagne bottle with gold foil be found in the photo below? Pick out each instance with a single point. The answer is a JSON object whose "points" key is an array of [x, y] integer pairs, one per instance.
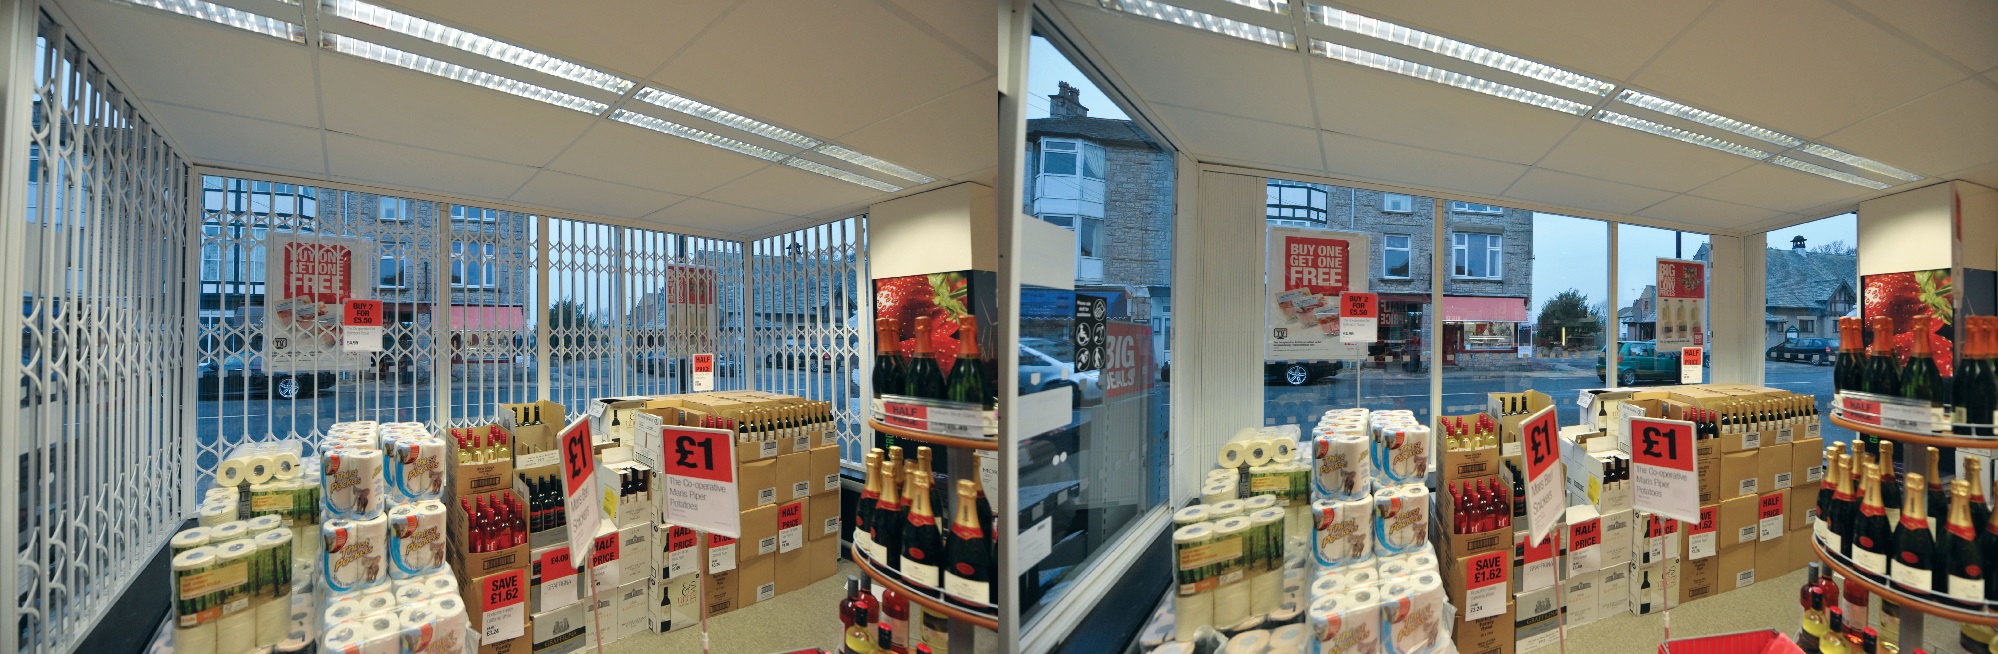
{"points": [[863, 512], [1914, 553], [922, 544], [1938, 500], [1890, 487], [1845, 508], [1872, 535], [1973, 476], [888, 516], [1957, 549], [968, 577], [1827, 486]]}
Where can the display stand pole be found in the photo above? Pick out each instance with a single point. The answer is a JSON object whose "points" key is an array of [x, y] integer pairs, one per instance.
{"points": [[596, 614], [1560, 598]]}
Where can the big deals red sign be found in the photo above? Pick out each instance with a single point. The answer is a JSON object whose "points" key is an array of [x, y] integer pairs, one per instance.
{"points": [[1128, 361], [1320, 265]]}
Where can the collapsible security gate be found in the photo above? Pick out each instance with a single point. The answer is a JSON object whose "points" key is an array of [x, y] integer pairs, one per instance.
{"points": [[810, 324]]}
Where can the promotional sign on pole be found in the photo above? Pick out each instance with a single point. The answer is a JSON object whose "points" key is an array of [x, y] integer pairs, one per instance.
{"points": [[1359, 318], [704, 372], [1664, 472], [309, 279], [1545, 505], [1681, 304], [1692, 365], [701, 481], [361, 326], [1309, 269], [579, 485]]}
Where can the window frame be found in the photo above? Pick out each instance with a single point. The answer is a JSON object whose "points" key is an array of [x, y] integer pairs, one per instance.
{"points": [[461, 267], [390, 210], [1407, 250], [1407, 203], [463, 214], [401, 274], [1458, 206], [1493, 252]]}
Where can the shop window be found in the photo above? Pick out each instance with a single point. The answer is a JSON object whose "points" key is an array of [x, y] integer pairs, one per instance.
{"points": [[1397, 203], [1295, 201], [1395, 256], [1476, 256], [462, 213], [1472, 207], [472, 265]]}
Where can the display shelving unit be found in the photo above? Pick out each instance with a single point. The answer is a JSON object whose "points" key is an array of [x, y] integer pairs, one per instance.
{"points": [[989, 444], [928, 603]]}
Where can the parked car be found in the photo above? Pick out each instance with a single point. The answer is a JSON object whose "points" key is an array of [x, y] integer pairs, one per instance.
{"points": [[1640, 361], [240, 375], [1299, 373], [1821, 351], [1041, 368]]}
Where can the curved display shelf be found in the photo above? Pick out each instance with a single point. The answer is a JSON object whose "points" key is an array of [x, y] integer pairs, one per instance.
{"points": [[1904, 600], [934, 439], [1937, 440], [928, 603]]}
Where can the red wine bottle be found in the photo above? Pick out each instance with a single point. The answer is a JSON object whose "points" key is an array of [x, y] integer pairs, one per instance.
{"points": [[888, 517], [863, 511], [890, 371], [1844, 509], [1914, 558], [922, 544], [1920, 380], [1872, 537], [968, 578], [925, 378], [1883, 374], [966, 382], [1957, 550]]}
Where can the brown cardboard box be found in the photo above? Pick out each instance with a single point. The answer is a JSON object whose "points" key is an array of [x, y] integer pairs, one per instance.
{"points": [[469, 479], [824, 520], [792, 531], [1773, 469], [1492, 635], [1772, 558], [824, 557], [533, 426], [824, 469], [1738, 474], [1802, 552], [720, 590], [1806, 455], [794, 480], [1509, 424], [1737, 568], [1738, 521], [520, 645], [756, 482], [1710, 475], [793, 570], [756, 582], [1451, 545], [468, 565], [1699, 578], [1466, 464], [759, 533], [493, 592], [1802, 507]]}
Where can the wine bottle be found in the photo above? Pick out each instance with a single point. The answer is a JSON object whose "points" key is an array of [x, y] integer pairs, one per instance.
{"points": [[1852, 604], [1984, 394], [895, 614], [1964, 391], [1834, 640], [1883, 375], [857, 641], [1869, 641], [1973, 476], [965, 384], [1872, 537], [1844, 510], [1914, 560], [890, 370], [846, 605], [863, 511], [1987, 547], [1814, 619], [886, 643], [1827, 485], [926, 467], [869, 609], [925, 378], [922, 544], [968, 581], [1890, 488], [888, 517], [1958, 548], [1938, 499], [1920, 380]]}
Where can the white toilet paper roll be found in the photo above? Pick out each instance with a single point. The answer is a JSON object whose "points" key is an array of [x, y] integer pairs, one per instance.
{"points": [[1346, 623], [232, 472], [198, 639], [189, 539], [1190, 613], [1402, 454], [1412, 615], [1341, 532], [260, 468], [1190, 515], [435, 627], [350, 482], [1218, 492], [416, 472], [1401, 519], [1259, 451], [1282, 450], [354, 554], [341, 609], [1342, 466], [1233, 454], [1224, 509], [217, 512], [377, 601], [1288, 639], [273, 621], [1248, 642], [1265, 591], [236, 632], [416, 539]]}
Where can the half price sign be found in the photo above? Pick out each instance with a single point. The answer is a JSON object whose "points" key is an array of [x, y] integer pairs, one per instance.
{"points": [[1664, 470], [701, 480], [704, 372], [1544, 502]]}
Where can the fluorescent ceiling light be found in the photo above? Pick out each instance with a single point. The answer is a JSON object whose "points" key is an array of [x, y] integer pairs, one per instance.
{"points": [[1356, 56], [395, 21], [857, 158], [1203, 21], [1703, 117], [1860, 162], [835, 173], [711, 113], [229, 16], [1345, 20], [1272, 6], [1668, 131], [422, 64], [701, 136], [1815, 169]]}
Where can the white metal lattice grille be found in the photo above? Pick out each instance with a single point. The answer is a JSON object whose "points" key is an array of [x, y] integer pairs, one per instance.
{"points": [[583, 292], [490, 318], [99, 420], [809, 289]]}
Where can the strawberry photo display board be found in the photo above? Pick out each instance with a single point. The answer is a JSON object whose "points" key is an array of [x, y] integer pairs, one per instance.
{"points": [[934, 367]]}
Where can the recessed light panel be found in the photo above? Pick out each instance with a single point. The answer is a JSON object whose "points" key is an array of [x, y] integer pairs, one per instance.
{"points": [[1860, 162], [1341, 19], [1670, 132], [701, 136], [1204, 21], [229, 16], [844, 176], [1661, 105], [852, 157], [448, 70], [1822, 171], [1379, 61], [714, 114], [401, 23], [1272, 6]]}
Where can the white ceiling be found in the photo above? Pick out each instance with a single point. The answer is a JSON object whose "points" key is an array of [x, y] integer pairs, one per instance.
{"points": [[1910, 84], [908, 81]]}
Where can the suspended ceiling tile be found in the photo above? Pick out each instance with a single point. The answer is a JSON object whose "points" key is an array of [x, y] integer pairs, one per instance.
{"points": [[1960, 29], [171, 58], [1693, 210], [1166, 63], [1985, 175], [400, 165], [1799, 66], [1611, 39], [1633, 157], [823, 68], [1950, 129], [1214, 136], [1774, 187], [383, 102], [946, 137], [590, 196], [1389, 107], [791, 192], [1549, 187], [206, 136], [1359, 158], [627, 154], [628, 37], [705, 215], [968, 24]]}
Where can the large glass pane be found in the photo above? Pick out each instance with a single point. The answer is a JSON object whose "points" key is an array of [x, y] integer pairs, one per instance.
{"points": [[1393, 373], [1529, 313], [1645, 317], [1813, 280], [491, 324]]}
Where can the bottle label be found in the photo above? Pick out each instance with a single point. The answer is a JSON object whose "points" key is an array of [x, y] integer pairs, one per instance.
{"points": [[921, 575], [1870, 561], [1910, 576], [978, 593], [864, 543], [901, 626], [1822, 530], [876, 551], [1969, 590]]}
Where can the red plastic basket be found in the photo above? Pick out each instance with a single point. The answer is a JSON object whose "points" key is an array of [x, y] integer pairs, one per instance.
{"points": [[1767, 641]]}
